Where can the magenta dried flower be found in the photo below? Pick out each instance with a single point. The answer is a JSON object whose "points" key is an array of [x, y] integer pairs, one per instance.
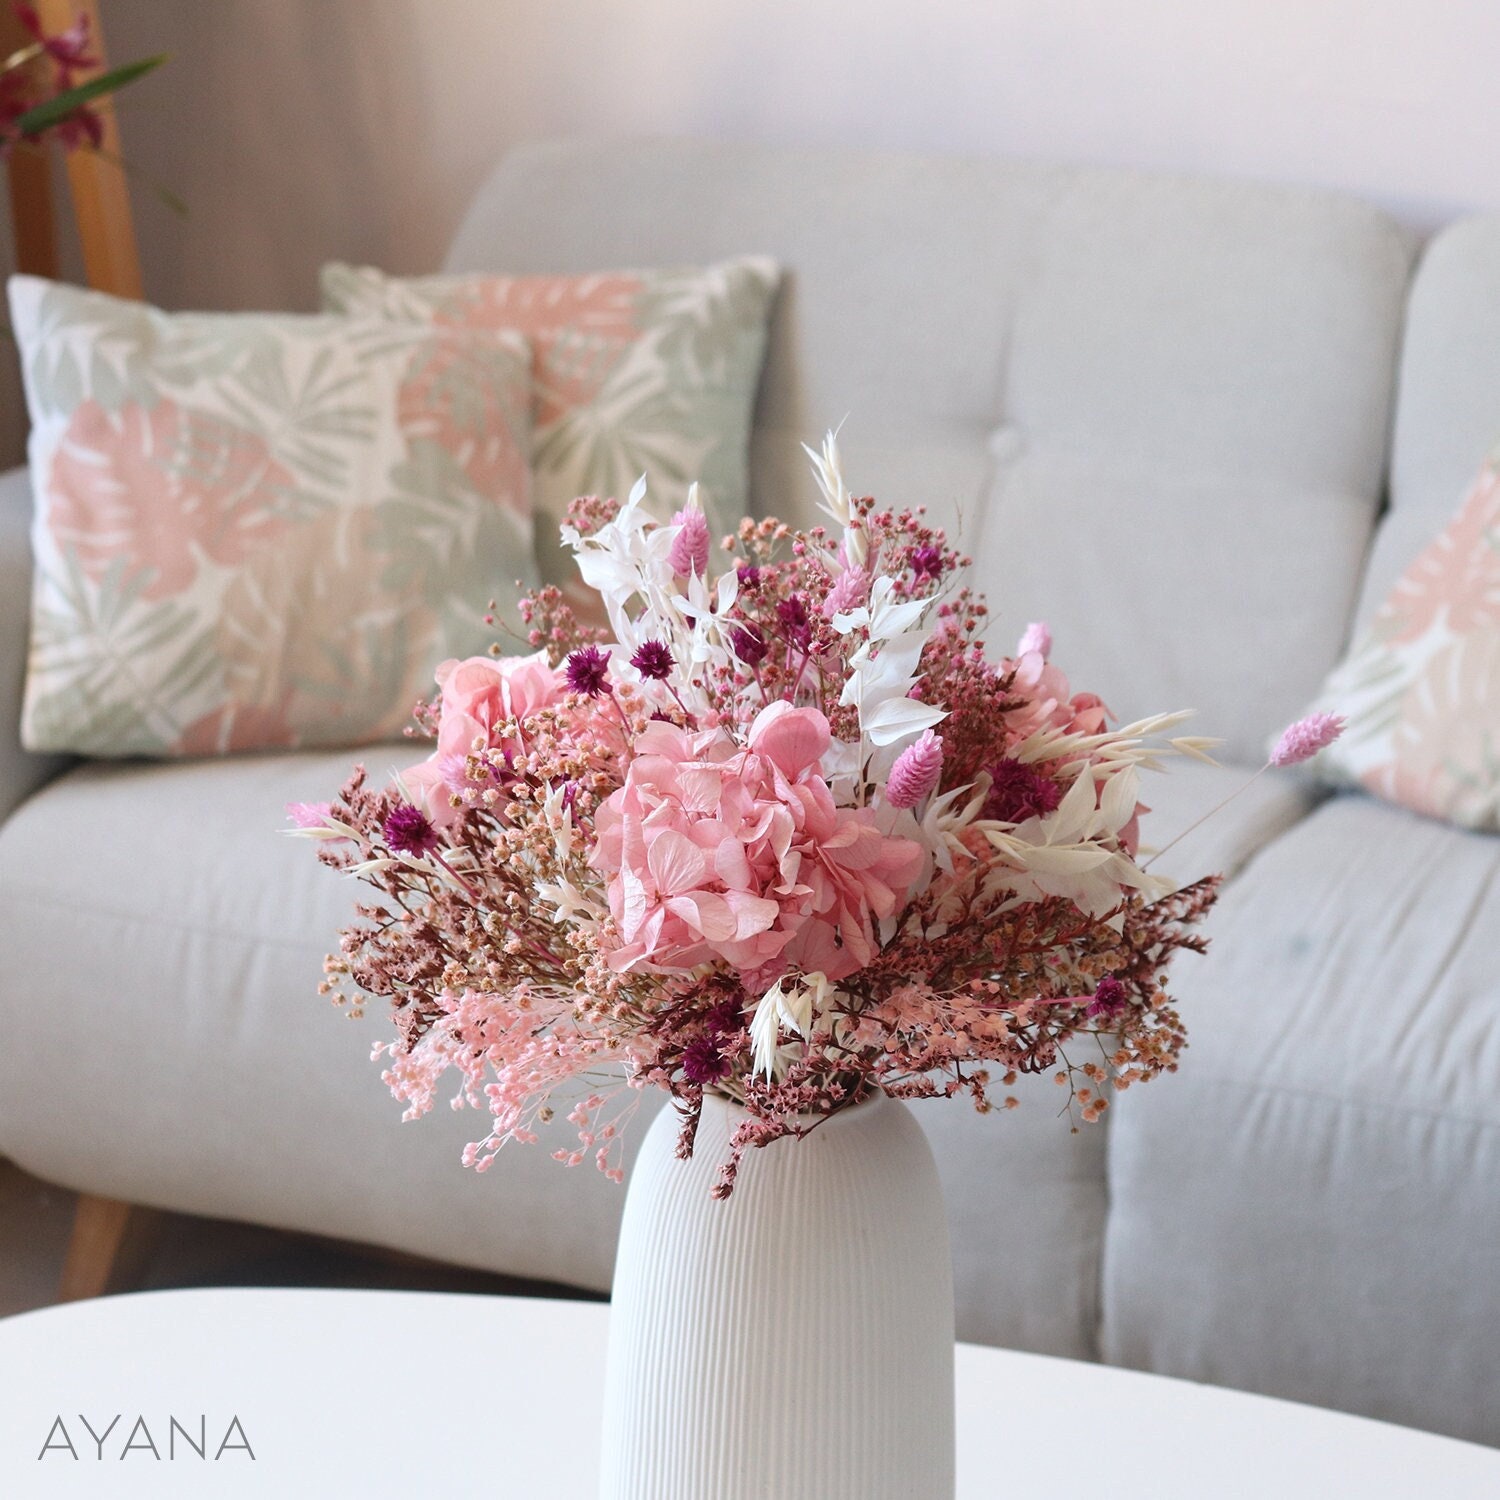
{"points": [[587, 671], [702, 1062], [407, 831], [927, 562], [652, 659], [725, 1019], [1017, 793], [1109, 999], [792, 613], [917, 771], [749, 645], [1302, 740], [689, 552], [748, 575]]}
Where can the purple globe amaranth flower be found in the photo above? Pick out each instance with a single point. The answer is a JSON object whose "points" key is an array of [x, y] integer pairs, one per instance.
{"points": [[652, 659], [748, 575], [792, 613], [587, 671], [1109, 999], [689, 553], [927, 562], [702, 1062], [1302, 740], [1017, 792], [407, 831], [725, 1019], [917, 771], [749, 645]]}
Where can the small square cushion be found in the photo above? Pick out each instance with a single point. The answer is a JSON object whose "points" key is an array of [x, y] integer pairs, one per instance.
{"points": [[257, 531], [1421, 687], [636, 372]]}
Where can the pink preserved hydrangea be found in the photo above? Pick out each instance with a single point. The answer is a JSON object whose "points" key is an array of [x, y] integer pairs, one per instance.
{"points": [[1049, 701], [476, 697], [716, 852]]}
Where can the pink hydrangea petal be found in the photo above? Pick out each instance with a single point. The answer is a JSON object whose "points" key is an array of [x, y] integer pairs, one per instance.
{"points": [[676, 863], [793, 739], [707, 914]]}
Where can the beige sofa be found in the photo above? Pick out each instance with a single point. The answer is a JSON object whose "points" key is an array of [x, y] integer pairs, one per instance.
{"points": [[1163, 410]]}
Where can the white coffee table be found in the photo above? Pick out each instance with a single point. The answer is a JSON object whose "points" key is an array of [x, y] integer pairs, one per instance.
{"points": [[414, 1395]]}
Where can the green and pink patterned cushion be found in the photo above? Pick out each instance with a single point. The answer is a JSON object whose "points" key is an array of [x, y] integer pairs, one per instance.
{"points": [[635, 372], [258, 531], [1421, 688]]}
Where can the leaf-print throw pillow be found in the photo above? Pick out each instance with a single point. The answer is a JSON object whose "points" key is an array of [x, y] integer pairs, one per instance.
{"points": [[636, 372], [258, 531], [1421, 688]]}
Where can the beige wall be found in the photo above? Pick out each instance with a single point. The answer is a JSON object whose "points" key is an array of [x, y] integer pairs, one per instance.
{"points": [[299, 130]]}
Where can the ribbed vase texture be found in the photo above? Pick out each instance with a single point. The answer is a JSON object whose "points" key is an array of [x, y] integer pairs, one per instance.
{"points": [[794, 1342]]}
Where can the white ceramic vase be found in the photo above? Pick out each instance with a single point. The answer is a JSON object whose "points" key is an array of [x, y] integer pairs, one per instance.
{"points": [[794, 1342]]}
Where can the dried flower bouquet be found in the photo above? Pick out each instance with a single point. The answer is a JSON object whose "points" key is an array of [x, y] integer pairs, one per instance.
{"points": [[784, 830]]}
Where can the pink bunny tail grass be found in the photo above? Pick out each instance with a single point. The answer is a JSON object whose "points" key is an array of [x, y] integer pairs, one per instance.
{"points": [[308, 814], [1036, 638], [1302, 740], [689, 552], [916, 771]]}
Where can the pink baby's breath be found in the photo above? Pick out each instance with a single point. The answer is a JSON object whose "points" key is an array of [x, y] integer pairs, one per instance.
{"points": [[1302, 740]]}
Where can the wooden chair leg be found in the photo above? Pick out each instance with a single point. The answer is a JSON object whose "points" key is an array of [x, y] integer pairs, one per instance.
{"points": [[102, 1228]]}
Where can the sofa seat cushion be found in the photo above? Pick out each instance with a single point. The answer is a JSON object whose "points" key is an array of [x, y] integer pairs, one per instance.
{"points": [[160, 949], [161, 945], [1308, 1209]]}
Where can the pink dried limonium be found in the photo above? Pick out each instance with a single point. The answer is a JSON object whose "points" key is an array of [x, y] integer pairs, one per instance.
{"points": [[1302, 740], [916, 772]]}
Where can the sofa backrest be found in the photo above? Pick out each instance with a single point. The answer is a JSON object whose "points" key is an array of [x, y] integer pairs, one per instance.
{"points": [[1159, 405], [1448, 401]]}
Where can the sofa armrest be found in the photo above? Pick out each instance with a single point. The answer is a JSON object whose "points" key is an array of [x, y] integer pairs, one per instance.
{"points": [[20, 771]]}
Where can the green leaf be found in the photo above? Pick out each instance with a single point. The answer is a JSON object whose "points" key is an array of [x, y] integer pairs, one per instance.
{"points": [[54, 111]]}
